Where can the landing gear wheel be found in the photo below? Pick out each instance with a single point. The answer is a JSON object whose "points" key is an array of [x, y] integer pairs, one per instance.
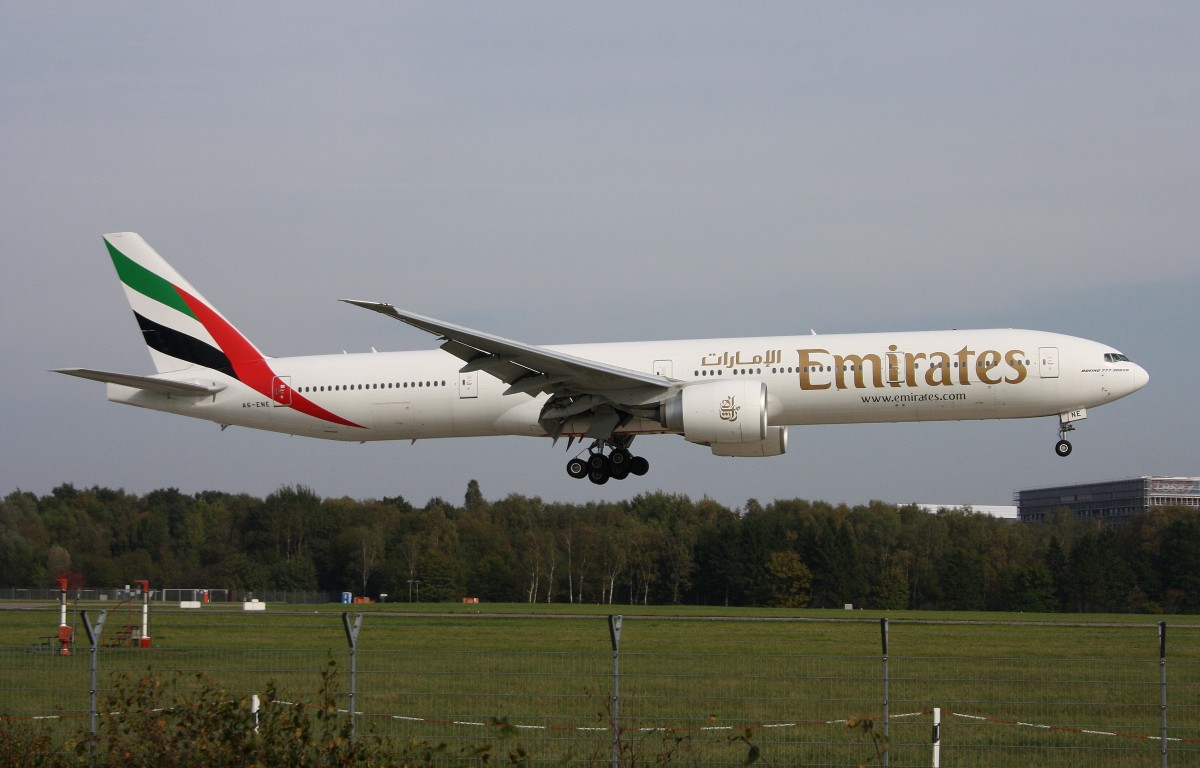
{"points": [[599, 469], [1063, 448], [618, 463], [619, 457]]}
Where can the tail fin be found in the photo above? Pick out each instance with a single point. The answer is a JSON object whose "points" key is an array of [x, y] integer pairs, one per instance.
{"points": [[181, 327]]}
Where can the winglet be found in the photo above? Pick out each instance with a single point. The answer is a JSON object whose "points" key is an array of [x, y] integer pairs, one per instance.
{"points": [[376, 306]]}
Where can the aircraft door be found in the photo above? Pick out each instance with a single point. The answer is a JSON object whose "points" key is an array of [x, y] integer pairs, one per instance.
{"points": [[281, 391], [394, 419], [892, 374], [468, 385], [1048, 362], [662, 368]]}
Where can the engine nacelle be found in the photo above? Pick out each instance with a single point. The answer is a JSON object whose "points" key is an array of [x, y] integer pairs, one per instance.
{"points": [[719, 412], [775, 444]]}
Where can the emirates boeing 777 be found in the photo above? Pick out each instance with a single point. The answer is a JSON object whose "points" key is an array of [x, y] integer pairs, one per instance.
{"points": [[736, 396]]}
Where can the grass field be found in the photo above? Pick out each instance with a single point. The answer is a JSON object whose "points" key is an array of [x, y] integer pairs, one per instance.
{"points": [[695, 676]]}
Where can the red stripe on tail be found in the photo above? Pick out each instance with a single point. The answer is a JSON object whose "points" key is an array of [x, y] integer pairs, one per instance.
{"points": [[250, 366]]}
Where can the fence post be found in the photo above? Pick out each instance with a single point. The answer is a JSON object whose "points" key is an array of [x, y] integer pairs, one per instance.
{"points": [[352, 639], [883, 633], [937, 737], [614, 633], [93, 633], [1162, 684]]}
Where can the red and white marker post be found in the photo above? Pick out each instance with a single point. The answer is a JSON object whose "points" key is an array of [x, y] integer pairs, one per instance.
{"points": [[65, 633], [144, 641]]}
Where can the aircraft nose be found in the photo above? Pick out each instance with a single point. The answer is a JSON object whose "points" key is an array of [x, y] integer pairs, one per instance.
{"points": [[1141, 377]]}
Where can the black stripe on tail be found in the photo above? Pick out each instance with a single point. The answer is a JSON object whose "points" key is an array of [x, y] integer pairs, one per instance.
{"points": [[184, 347]]}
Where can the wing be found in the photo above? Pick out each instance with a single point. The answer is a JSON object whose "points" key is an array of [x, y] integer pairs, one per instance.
{"points": [[609, 394], [149, 383]]}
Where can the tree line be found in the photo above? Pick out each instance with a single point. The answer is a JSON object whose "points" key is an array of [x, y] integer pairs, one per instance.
{"points": [[656, 548]]}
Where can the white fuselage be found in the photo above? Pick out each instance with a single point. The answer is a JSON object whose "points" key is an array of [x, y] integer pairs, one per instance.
{"points": [[814, 379]]}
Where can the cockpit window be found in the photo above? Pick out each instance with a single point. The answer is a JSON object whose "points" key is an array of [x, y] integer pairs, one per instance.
{"points": [[1116, 357]]}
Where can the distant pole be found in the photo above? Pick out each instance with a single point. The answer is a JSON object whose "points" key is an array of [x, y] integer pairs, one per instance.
{"points": [[93, 634], [66, 635], [883, 631], [145, 639], [352, 640], [614, 633], [1162, 684], [62, 602]]}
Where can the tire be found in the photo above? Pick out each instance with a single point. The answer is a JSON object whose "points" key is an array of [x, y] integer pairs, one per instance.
{"points": [[577, 468], [638, 466], [597, 476], [1063, 448]]}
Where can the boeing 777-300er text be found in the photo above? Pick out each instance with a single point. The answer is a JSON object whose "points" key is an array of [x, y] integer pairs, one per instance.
{"points": [[737, 396]]}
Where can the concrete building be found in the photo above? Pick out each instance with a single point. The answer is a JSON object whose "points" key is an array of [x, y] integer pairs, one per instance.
{"points": [[1002, 511], [1113, 501]]}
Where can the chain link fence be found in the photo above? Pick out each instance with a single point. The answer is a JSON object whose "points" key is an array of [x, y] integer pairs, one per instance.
{"points": [[134, 592], [618, 691]]}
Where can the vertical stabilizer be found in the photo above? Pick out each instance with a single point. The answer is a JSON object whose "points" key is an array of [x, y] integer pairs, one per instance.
{"points": [[180, 327], [184, 332]]}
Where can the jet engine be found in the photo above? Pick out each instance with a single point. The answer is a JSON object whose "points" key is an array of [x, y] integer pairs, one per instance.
{"points": [[775, 444], [731, 414]]}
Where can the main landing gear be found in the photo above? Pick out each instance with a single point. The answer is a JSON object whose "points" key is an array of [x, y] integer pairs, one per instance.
{"points": [[618, 464]]}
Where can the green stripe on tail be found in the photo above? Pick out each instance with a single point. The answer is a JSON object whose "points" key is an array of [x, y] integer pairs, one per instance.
{"points": [[146, 282]]}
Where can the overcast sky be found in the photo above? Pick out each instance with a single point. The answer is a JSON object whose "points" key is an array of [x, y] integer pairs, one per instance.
{"points": [[561, 172]]}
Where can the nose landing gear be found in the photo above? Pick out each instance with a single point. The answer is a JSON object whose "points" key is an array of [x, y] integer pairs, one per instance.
{"points": [[600, 468], [1063, 446]]}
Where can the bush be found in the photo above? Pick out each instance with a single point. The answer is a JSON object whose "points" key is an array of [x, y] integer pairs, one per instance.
{"points": [[152, 724]]}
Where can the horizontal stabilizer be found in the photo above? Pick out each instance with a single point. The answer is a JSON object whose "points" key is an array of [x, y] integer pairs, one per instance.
{"points": [[148, 383]]}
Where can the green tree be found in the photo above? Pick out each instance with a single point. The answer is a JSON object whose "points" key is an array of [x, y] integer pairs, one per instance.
{"points": [[18, 561], [791, 579], [1034, 591], [474, 497], [1179, 562], [891, 590], [1055, 561], [839, 575], [962, 581]]}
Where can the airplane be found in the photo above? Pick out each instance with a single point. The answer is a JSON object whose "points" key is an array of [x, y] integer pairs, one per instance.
{"points": [[737, 396]]}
